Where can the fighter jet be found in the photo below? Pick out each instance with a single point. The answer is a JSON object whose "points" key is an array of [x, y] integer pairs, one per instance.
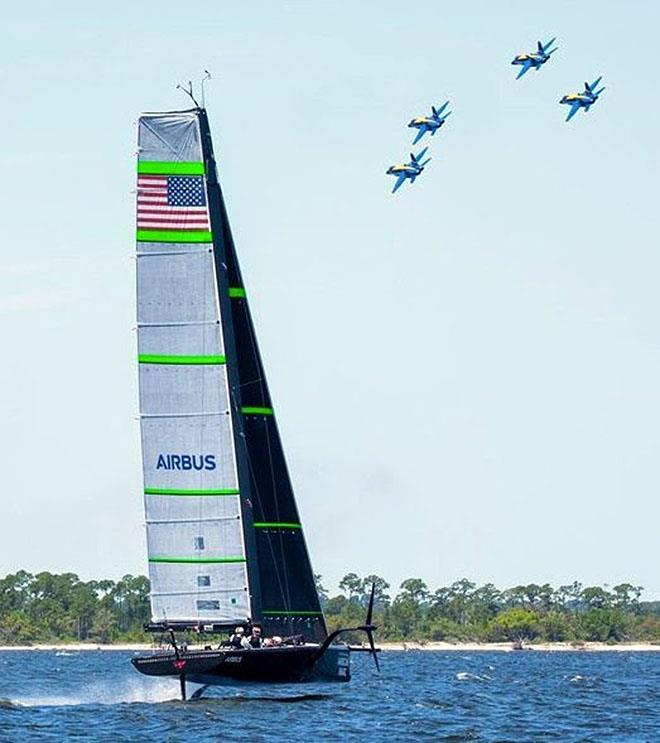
{"points": [[534, 59], [429, 123], [408, 170], [582, 100]]}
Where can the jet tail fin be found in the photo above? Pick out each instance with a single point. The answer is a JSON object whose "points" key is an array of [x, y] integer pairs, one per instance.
{"points": [[416, 158], [590, 88]]}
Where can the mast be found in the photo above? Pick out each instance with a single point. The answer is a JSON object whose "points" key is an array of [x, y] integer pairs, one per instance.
{"points": [[220, 225]]}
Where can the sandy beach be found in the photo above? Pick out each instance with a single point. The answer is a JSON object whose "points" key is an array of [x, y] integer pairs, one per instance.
{"points": [[507, 647], [465, 647]]}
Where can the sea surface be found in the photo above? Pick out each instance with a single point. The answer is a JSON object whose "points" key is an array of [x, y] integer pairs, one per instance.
{"points": [[451, 696]]}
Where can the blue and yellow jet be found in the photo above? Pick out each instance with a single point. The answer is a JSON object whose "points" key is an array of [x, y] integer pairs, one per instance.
{"points": [[408, 170], [429, 123], [534, 59], [584, 100]]}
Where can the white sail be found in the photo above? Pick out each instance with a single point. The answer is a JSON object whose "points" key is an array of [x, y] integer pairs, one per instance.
{"points": [[197, 560]]}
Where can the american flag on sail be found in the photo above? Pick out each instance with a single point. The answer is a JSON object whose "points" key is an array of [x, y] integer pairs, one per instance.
{"points": [[171, 202]]}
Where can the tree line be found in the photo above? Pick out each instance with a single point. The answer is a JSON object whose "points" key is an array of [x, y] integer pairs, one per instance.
{"points": [[47, 607], [465, 611], [61, 608]]}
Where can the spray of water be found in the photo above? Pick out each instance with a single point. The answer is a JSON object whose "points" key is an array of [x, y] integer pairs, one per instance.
{"points": [[126, 691]]}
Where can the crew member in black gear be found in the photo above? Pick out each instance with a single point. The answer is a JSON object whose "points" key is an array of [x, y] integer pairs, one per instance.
{"points": [[255, 639], [237, 640]]}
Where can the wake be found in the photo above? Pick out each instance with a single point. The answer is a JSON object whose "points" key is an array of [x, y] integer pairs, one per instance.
{"points": [[133, 691]]}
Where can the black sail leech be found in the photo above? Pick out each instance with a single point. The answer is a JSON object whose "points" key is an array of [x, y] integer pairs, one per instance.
{"points": [[283, 592]]}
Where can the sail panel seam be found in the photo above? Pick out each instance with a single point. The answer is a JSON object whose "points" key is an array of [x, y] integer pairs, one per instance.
{"points": [[196, 560], [208, 592], [208, 519], [181, 324], [185, 415]]}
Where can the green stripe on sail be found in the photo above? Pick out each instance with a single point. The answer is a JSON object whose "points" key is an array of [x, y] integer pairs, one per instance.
{"points": [[191, 492], [149, 358], [257, 411], [293, 613], [174, 236], [172, 167], [196, 560], [237, 292], [275, 525]]}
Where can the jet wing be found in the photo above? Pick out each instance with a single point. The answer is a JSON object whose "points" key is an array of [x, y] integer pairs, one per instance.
{"points": [[574, 109], [526, 66], [420, 134], [399, 182]]}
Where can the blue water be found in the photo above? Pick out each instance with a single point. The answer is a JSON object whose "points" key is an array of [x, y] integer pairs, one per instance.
{"points": [[455, 696]]}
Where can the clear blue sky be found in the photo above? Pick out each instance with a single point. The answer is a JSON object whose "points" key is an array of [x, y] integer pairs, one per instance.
{"points": [[467, 375]]}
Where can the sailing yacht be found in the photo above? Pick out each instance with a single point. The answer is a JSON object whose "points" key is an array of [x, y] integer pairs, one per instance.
{"points": [[225, 542]]}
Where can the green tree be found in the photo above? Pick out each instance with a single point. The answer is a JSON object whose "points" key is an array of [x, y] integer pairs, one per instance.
{"points": [[381, 586], [352, 585], [595, 597], [626, 597], [104, 627], [515, 624], [604, 625]]}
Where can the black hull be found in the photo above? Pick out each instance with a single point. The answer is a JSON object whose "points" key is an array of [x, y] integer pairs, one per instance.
{"points": [[295, 664]]}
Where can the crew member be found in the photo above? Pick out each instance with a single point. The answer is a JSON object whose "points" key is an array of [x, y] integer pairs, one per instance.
{"points": [[237, 639], [255, 640]]}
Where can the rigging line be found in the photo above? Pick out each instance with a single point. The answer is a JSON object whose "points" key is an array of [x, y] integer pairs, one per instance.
{"points": [[253, 342], [250, 381], [257, 498], [285, 590], [280, 536]]}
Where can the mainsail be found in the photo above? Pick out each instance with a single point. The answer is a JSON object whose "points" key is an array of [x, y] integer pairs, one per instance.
{"points": [[224, 537]]}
